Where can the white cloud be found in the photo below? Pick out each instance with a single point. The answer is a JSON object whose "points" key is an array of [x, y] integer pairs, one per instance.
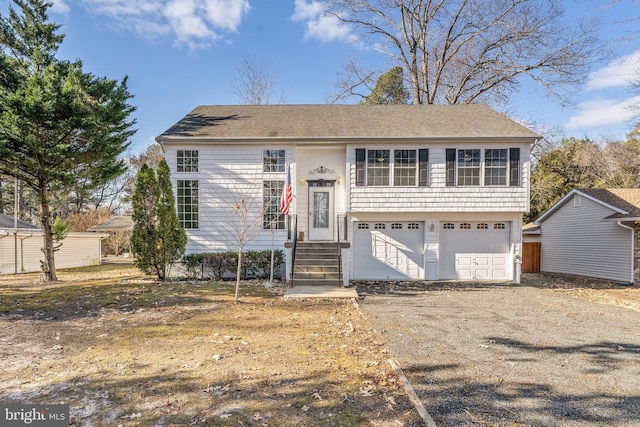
{"points": [[194, 23], [59, 6], [318, 24], [604, 112], [304, 11], [617, 74]]}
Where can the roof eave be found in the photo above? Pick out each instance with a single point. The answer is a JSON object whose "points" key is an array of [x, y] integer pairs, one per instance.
{"points": [[310, 140]]}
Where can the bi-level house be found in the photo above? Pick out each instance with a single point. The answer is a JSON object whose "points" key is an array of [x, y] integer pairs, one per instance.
{"points": [[427, 192]]}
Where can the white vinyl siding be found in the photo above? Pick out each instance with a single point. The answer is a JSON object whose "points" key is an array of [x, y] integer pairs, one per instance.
{"points": [[575, 240], [230, 176], [77, 250]]}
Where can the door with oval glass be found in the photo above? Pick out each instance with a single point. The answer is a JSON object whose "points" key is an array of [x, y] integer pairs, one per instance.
{"points": [[321, 210]]}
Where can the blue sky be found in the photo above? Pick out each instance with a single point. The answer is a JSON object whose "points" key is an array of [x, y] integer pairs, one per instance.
{"points": [[182, 53]]}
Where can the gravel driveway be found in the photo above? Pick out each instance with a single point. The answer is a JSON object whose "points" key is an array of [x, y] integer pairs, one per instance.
{"points": [[513, 355]]}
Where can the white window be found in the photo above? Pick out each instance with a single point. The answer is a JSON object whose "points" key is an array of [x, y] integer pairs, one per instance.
{"points": [[187, 161], [404, 167], [469, 167], [272, 218], [187, 203], [377, 167], [488, 167], [273, 160], [495, 166]]}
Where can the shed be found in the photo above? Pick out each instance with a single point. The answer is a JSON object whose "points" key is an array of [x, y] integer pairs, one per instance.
{"points": [[21, 248], [120, 229], [593, 233]]}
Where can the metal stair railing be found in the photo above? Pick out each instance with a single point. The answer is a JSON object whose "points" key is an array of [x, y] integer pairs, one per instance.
{"points": [[339, 218], [295, 244]]}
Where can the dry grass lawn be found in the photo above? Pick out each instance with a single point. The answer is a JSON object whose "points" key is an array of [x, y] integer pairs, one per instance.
{"points": [[122, 349]]}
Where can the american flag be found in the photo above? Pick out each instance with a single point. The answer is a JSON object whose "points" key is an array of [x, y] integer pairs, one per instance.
{"points": [[287, 196]]}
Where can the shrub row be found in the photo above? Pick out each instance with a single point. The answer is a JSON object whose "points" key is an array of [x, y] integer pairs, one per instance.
{"points": [[214, 265]]}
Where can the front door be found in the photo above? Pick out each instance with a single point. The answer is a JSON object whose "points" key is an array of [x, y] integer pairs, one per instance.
{"points": [[321, 210]]}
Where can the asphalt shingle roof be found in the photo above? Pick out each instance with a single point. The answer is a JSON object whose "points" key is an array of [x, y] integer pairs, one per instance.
{"points": [[117, 223], [6, 222], [345, 121], [626, 199]]}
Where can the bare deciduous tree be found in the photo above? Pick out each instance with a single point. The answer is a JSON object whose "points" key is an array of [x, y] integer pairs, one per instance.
{"points": [[239, 214], [463, 51], [354, 81], [255, 83]]}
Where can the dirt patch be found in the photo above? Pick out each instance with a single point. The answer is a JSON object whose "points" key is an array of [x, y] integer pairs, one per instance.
{"points": [[122, 349], [553, 351]]}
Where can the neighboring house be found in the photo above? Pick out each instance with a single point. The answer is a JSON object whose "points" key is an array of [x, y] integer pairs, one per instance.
{"points": [[426, 191], [21, 248], [120, 229], [593, 233]]}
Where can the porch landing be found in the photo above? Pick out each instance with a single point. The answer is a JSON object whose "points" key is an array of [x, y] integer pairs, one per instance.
{"points": [[320, 292]]}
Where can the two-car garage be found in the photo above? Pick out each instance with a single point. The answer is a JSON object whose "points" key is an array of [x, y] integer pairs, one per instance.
{"points": [[466, 250]]}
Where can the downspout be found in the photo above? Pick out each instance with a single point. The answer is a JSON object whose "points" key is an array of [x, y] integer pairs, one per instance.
{"points": [[2, 236], [22, 239], [633, 242]]}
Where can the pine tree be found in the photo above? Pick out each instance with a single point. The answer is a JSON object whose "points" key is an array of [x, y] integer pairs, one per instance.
{"points": [[60, 128], [389, 89], [172, 237], [144, 236], [158, 240]]}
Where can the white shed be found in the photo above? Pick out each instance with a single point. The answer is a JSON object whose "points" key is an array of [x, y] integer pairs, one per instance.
{"points": [[21, 248], [593, 233]]}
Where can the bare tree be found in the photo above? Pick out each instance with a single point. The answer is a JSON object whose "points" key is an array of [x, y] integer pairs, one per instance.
{"points": [[255, 83], [354, 81], [239, 214], [463, 51]]}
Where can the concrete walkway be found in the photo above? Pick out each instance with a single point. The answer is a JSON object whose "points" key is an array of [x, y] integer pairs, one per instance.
{"points": [[320, 292]]}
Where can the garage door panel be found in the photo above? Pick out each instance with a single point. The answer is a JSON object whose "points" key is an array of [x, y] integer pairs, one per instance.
{"points": [[474, 250], [384, 250]]}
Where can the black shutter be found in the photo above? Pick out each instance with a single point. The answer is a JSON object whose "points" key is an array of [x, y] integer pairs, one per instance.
{"points": [[423, 167], [451, 167], [514, 167], [360, 165]]}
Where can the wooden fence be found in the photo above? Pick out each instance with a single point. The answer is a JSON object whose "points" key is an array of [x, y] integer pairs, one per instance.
{"points": [[531, 257]]}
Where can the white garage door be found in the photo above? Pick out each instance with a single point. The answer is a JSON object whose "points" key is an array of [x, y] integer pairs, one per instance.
{"points": [[388, 250], [474, 250]]}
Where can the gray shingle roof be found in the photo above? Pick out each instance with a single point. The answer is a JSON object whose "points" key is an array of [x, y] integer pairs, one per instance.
{"points": [[6, 222], [345, 121], [626, 199], [117, 223]]}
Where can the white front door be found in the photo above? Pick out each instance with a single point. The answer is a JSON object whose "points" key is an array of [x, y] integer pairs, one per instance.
{"points": [[321, 211]]}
